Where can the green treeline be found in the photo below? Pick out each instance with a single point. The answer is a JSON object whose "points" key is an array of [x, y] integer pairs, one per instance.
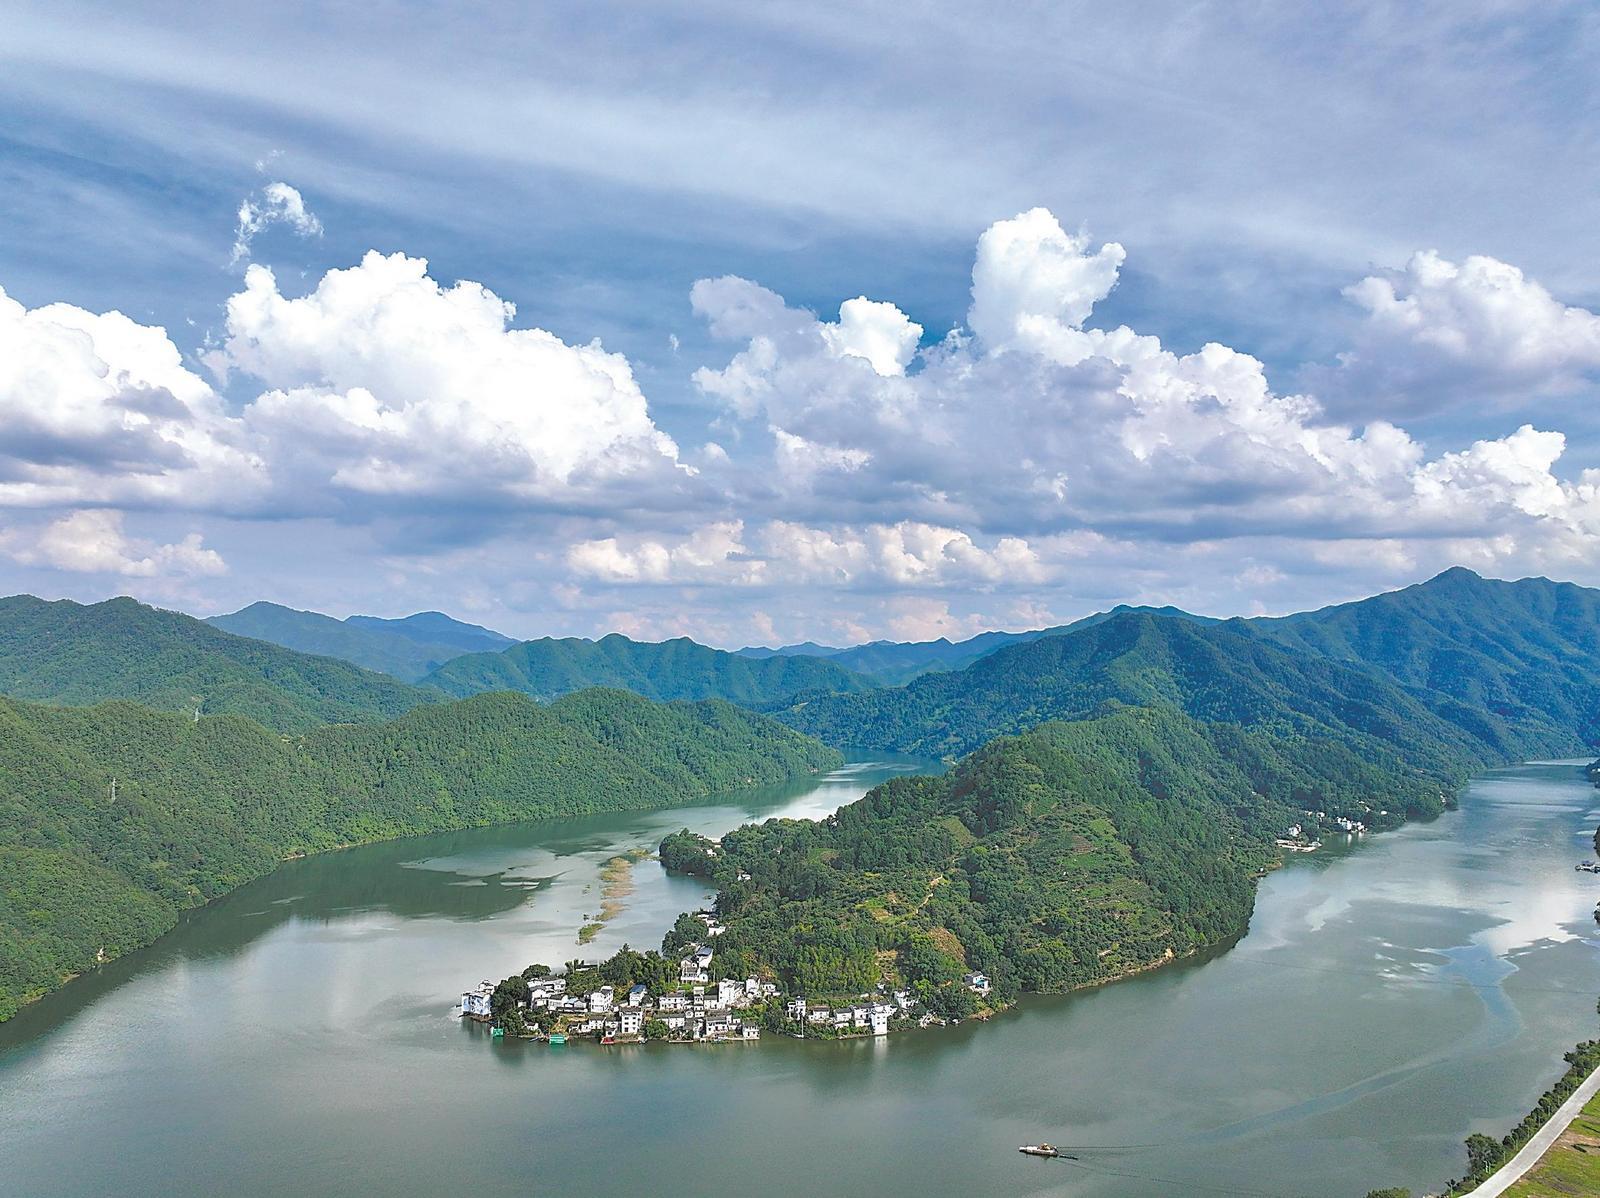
{"points": [[1071, 854], [201, 807], [676, 669]]}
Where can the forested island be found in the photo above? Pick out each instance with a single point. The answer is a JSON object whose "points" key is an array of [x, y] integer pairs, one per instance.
{"points": [[1068, 856]]}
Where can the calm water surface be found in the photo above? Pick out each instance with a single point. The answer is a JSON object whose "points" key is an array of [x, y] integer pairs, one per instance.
{"points": [[297, 1037]]}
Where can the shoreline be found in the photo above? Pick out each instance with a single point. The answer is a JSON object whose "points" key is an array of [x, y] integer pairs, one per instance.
{"points": [[89, 969]]}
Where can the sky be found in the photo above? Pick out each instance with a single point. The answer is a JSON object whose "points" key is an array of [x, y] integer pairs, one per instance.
{"points": [[819, 321]]}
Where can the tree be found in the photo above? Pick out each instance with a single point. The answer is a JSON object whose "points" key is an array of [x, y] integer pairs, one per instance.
{"points": [[1483, 1153], [655, 1029], [536, 970], [509, 995]]}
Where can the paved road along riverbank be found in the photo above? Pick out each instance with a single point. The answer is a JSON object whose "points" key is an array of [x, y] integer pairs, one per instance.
{"points": [[1511, 1172]]}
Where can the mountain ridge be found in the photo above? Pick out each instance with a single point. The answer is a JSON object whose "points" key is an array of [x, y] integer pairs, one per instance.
{"points": [[406, 648], [59, 651], [675, 669]]}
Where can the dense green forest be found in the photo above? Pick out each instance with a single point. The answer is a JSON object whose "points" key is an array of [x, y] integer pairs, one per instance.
{"points": [[407, 649], [1215, 672], [199, 808], [64, 652], [1525, 655], [1071, 854], [1458, 669], [677, 669]]}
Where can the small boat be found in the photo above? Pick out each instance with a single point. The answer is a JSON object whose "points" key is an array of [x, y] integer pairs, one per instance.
{"points": [[1040, 1150], [496, 1032], [557, 1038]]}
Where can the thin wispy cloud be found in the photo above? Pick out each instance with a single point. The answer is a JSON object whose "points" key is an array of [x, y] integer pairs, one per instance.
{"points": [[274, 204]]}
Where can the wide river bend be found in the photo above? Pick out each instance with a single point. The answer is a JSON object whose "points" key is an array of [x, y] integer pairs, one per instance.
{"points": [[296, 1037]]}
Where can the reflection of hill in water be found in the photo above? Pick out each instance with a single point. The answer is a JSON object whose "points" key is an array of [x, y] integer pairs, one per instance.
{"points": [[471, 875]]}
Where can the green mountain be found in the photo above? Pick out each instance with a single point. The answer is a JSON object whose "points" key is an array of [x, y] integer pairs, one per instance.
{"points": [[1220, 673], [436, 628], [406, 649], [64, 652], [1524, 656], [1073, 854], [1459, 664], [894, 663], [678, 669], [90, 870]]}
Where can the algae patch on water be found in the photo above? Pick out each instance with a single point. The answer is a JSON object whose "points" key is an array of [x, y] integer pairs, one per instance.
{"points": [[616, 884]]}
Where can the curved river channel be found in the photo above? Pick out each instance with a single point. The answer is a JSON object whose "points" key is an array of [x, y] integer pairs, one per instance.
{"points": [[297, 1037]]}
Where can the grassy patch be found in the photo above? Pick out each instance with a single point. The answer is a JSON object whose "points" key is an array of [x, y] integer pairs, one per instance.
{"points": [[1572, 1166]]}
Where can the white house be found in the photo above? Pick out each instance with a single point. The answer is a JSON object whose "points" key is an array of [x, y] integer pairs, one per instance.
{"points": [[601, 1000], [729, 991], [696, 967], [718, 1023], [475, 1002], [637, 994], [795, 1009], [672, 1002], [878, 1016], [750, 1032], [819, 1015], [978, 983], [631, 1020]]}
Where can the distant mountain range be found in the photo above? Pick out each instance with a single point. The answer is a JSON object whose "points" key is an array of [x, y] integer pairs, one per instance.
{"points": [[676, 669], [1496, 669], [406, 648], [893, 663]]}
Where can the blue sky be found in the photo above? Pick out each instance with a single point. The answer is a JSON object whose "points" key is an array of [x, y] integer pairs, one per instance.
{"points": [[740, 461]]}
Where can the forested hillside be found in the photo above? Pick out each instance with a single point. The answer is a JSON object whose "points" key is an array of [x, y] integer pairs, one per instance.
{"points": [[199, 808], [406, 649], [1214, 672], [64, 652], [677, 669], [1526, 654], [1074, 853]]}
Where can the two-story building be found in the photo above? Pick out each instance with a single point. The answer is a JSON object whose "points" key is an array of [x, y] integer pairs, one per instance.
{"points": [[696, 967], [475, 1002]]}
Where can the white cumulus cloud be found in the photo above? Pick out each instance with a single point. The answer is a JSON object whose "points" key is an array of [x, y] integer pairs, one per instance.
{"points": [[92, 541], [97, 408], [1439, 331], [382, 381]]}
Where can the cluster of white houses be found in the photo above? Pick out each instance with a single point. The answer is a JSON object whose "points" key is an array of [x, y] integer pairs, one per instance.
{"points": [[700, 1010]]}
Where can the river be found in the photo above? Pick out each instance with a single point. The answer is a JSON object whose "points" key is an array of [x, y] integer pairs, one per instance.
{"points": [[297, 1037]]}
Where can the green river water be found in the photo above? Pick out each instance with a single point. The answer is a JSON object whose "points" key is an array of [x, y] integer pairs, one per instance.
{"points": [[298, 1037]]}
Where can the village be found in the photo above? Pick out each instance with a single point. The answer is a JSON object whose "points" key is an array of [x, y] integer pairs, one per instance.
{"points": [[1305, 837], [697, 1010]]}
